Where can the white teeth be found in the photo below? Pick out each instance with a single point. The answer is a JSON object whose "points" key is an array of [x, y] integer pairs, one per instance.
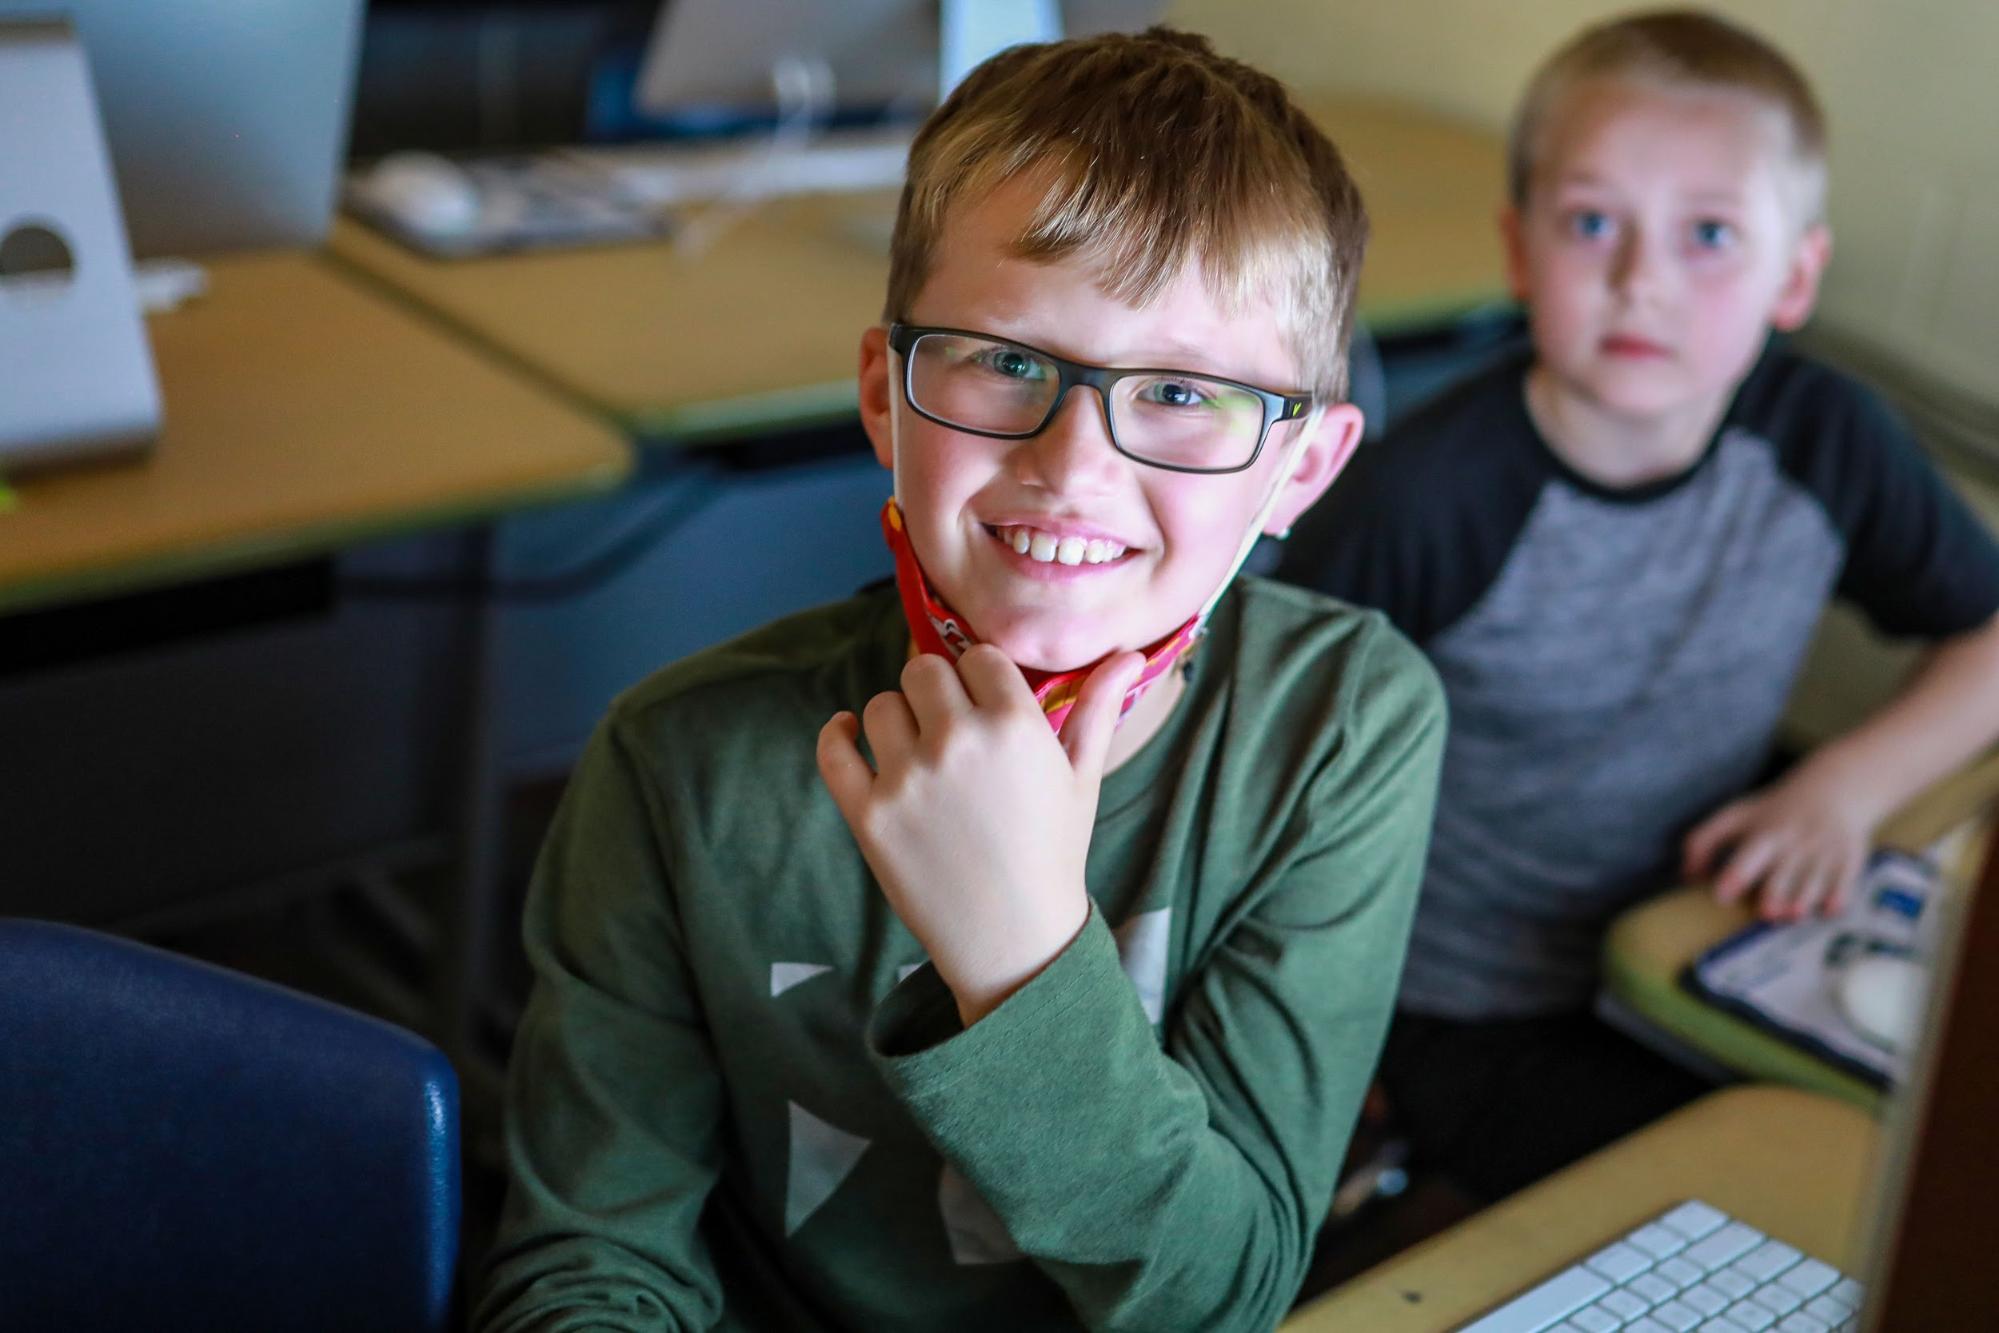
{"points": [[1046, 547]]}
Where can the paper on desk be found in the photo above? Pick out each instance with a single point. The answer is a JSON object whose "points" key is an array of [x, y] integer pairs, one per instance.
{"points": [[1783, 977]]}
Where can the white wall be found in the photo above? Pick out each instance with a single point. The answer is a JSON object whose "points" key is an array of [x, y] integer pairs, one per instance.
{"points": [[1911, 89]]}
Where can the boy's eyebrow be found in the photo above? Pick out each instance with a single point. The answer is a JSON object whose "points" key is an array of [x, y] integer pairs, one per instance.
{"points": [[1584, 178], [1169, 353], [1727, 194]]}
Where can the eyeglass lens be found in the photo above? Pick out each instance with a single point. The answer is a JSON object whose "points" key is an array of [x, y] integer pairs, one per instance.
{"points": [[1181, 420]]}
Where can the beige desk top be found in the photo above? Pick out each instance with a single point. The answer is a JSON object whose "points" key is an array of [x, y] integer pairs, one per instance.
{"points": [[303, 413], [1649, 946], [1790, 1163], [763, 328]]}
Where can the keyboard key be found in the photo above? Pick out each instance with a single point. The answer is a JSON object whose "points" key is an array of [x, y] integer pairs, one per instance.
{"points": [[1590, 1319], [1625, 1305], [1677, 1317], [1771, 1258], [1619, 1262], [1694, 1219], [1810, 1277], [1652, 1287], [1725, 1245], [1693, 1269], [1555, 1299], [1680, 1273], [1776, 1298], [1657, 1241], [1705, 1299], [1751, 1316]]}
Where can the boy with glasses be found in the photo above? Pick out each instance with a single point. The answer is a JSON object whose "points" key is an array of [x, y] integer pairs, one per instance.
{"points": [[1010, 949]]}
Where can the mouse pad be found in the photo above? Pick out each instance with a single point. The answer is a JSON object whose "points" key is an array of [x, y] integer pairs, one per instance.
{"points": [[1784, 977]]}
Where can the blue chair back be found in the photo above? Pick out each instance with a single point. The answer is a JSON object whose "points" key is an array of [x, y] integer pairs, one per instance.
{"points": [[185, 1147]]}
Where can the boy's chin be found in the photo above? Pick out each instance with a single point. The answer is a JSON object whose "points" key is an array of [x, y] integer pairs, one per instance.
{"points": [[1033, 652], [1052, 659]]}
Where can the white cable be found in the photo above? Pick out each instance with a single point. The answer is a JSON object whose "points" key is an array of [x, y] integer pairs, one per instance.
{"points": [[803, 87]]}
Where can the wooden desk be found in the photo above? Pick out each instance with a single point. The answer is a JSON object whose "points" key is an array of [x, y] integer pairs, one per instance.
{"points": [[1790, 1163], [763, 329], [303, 413], [1649, 946]]}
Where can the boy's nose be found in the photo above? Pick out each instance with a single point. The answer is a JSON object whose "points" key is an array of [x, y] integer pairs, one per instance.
{"points": [[1639, 271], [1074, 451]]}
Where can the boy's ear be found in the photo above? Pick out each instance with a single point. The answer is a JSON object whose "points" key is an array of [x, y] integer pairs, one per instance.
{"points": [[1800, 291], [1513, 235], [877, 393], [1325, 451]]}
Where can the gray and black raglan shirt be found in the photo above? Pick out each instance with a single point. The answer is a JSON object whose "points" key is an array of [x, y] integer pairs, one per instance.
{"points": [[1617, 661]]}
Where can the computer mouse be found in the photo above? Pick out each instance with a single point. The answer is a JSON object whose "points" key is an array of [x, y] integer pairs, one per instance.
{"points": [[1882, 996], [424, 192]]}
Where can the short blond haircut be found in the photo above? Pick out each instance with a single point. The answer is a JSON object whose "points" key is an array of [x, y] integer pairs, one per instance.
{"points": [[1155, 150], [1672, 48]]}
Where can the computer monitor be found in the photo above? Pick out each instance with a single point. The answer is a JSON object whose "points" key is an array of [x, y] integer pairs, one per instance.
{"points": [[719, 57], [1930, 1254], [226, 119]]}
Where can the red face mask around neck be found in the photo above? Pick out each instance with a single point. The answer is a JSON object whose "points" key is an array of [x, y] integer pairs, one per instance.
{"points": [[936, 628]]}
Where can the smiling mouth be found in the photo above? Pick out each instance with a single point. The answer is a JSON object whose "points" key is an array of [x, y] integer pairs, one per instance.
{"points": [[1047, 548]]}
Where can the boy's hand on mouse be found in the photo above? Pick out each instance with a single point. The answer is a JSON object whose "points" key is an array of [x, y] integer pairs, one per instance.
{"points": [[976, 819], [1802, 842]]}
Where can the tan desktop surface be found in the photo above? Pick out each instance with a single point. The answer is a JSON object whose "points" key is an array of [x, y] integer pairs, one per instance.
{"points": [[762, 328], [1649, 946], [302, 413], [1791, 1163]]}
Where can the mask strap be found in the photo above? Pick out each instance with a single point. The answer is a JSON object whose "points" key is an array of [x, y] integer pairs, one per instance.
{"points": [[1263, 512]]}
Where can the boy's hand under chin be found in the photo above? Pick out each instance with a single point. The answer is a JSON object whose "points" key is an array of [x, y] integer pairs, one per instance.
{"points": [[1802, 842], [977, 819]]}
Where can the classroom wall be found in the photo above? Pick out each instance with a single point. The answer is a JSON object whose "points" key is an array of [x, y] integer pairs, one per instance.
{"points": [[1907, 87]]}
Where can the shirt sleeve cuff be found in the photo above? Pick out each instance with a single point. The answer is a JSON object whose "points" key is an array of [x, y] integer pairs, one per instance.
{"points": [[921, 1047]]}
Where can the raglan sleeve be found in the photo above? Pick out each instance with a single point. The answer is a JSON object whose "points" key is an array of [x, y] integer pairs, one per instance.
{"points": [[1360, 544], [613, 1096], [1420, 524], [1919, 560], [1176, 1180]]}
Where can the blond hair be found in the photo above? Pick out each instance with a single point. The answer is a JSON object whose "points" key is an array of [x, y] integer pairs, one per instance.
{"points": [[1673, 48], [1154, 150]]}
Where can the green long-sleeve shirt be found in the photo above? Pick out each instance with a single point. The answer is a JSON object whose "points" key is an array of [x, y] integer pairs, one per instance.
{"points": [[739, 1100]]}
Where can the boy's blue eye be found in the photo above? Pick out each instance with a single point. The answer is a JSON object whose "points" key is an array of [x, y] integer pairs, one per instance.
{"points": [[1012, 363], [1712, 234], [1589, 225], [1173, 393]]}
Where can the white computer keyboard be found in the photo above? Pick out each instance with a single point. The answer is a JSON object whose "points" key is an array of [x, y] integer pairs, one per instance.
{"points": [[1691, 1268], [675, 174]]}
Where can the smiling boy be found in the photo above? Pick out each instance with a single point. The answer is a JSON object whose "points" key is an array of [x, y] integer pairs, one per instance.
{"points": [[885, 979], [1615, 549]]}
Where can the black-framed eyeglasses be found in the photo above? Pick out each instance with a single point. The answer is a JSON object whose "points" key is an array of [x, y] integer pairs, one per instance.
{"points": [[1173, 419]]}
